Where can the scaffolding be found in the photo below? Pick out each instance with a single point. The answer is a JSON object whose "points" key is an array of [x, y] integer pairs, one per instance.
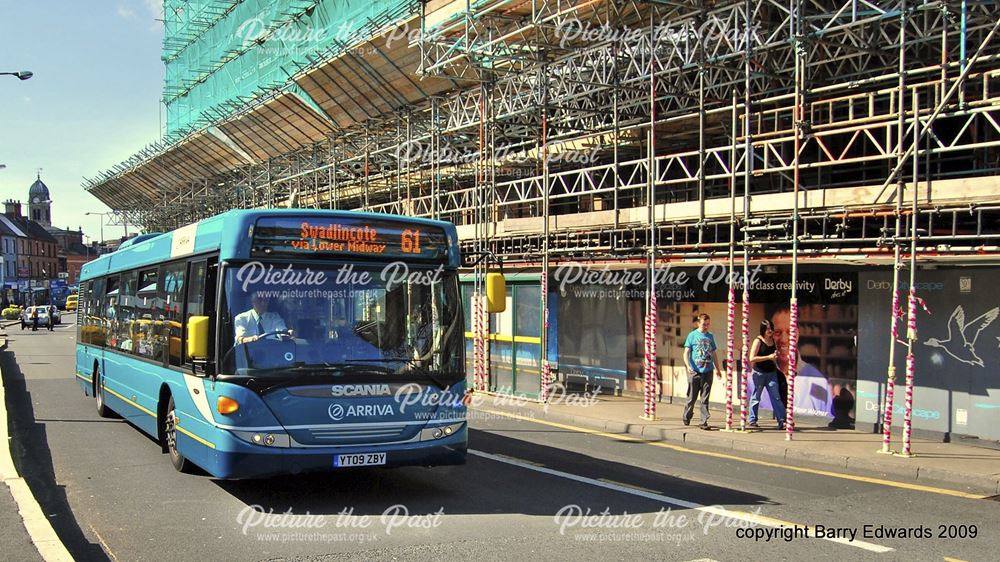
{"points": [[584, 67], [626, 131]]}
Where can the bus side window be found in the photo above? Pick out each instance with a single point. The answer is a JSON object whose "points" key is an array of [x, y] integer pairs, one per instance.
{"points": [[98, 331], [200, 300], [126, 312], [109, 310], [83, 313], [147, 312], [172, 295]]}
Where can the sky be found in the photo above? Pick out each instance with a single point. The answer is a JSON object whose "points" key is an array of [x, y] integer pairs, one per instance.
{"points": [[95, 98]]}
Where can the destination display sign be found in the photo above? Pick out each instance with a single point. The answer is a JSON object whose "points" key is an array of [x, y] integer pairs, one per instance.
{"points": [[348, 236]]}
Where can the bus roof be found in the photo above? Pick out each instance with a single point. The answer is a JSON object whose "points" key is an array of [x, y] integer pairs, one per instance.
{"points": [[228, 233]]}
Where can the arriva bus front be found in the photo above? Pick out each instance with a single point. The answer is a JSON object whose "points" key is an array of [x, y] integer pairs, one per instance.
{"points": [[282, 341]]}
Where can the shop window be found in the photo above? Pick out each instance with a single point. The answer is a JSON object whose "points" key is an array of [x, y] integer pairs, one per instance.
{"points": [[528, 310]]}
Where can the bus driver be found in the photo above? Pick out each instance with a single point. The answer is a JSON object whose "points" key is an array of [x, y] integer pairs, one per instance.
{"points": [[249, 326]]}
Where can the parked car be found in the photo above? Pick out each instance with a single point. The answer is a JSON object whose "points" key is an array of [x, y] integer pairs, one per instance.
{"points": [[43, 316], [71, 303]]}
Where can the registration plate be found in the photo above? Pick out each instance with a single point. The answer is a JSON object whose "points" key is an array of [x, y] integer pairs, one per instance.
{"points": [[359, 459]]}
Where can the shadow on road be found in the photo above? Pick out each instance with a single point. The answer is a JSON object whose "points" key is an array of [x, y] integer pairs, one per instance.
{"points": [[425, 490], [30, 449]]}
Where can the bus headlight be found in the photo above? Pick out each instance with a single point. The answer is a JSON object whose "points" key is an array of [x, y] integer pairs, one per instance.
{"points": [[431, 433], [274, 439]]}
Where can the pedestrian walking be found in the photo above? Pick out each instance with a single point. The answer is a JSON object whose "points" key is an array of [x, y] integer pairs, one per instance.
{"points": [[763, 358], [702, 362], [52, 317], [34, 319]]}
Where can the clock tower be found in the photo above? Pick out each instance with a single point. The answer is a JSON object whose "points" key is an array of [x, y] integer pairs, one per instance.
{"points": [[39, 203]]}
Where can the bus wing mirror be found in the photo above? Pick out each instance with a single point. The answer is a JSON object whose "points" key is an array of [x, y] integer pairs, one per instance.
{"points": [[197, 337], [496, 293]]}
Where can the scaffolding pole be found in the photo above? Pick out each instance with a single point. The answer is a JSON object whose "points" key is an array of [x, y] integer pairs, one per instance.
{"points": [[748, 165], [544, 285], [799, 125], [911, 319], [731, 294], [651, 376], [890, 385]]}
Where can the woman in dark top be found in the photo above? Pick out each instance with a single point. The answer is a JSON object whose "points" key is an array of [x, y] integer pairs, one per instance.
{"points": [[763, 353]]}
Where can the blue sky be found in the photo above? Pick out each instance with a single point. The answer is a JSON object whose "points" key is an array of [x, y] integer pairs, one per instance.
{"points": [[93, 102]]}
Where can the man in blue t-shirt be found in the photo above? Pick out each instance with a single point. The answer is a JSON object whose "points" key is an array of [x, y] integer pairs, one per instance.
{"points": [[701, 360]]}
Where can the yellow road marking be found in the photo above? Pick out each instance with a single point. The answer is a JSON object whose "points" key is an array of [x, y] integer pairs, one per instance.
{"points": [[104, 543], [678, 448]]}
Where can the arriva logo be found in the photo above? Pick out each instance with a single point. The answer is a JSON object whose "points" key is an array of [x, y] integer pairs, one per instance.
{"points": [[360, 390], [338, 412]]}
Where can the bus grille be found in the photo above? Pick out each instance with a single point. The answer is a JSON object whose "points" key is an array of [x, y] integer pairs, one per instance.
{"points": [[333, 434]]}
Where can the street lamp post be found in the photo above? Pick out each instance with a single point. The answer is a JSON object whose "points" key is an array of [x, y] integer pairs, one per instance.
{"points": [[20, 74], [102, 215]]}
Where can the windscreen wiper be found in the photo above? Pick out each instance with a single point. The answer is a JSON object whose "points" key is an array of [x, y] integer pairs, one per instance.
{"points": [[340, 367], [414, 365]]}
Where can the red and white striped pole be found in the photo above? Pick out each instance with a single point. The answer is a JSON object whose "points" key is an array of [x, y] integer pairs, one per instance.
{"points": [[649, 383], [730, 356], [890, 384], [546, 369], [745, 372], [479, 364], [793, 359], [911, 335], [475, 341]]}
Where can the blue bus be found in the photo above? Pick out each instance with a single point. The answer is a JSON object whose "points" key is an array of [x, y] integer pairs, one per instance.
{"points": [[263, 342]]}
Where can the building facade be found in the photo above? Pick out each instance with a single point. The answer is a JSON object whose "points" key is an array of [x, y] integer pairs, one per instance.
{"points": [[32, 252], [624, 136], [73, 253]]}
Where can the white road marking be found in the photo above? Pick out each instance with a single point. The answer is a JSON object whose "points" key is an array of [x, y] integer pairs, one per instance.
{"points": [[722, 512]]}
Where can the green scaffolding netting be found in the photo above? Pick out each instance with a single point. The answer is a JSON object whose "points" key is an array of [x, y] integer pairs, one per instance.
{"points": [[218, 51]]}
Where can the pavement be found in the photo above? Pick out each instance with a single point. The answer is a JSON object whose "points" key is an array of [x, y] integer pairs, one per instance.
{"points": [[965, 468]]}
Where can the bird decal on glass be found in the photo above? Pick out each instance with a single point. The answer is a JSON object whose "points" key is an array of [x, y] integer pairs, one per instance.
{"points": [[962, 335]]}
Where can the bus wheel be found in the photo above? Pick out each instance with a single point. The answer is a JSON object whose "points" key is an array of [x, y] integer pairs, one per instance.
{"points": [[170, 435], [102, 407]]}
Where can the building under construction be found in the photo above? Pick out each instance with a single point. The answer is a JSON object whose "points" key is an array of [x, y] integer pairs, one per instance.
{"points": [[831, 165]]}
